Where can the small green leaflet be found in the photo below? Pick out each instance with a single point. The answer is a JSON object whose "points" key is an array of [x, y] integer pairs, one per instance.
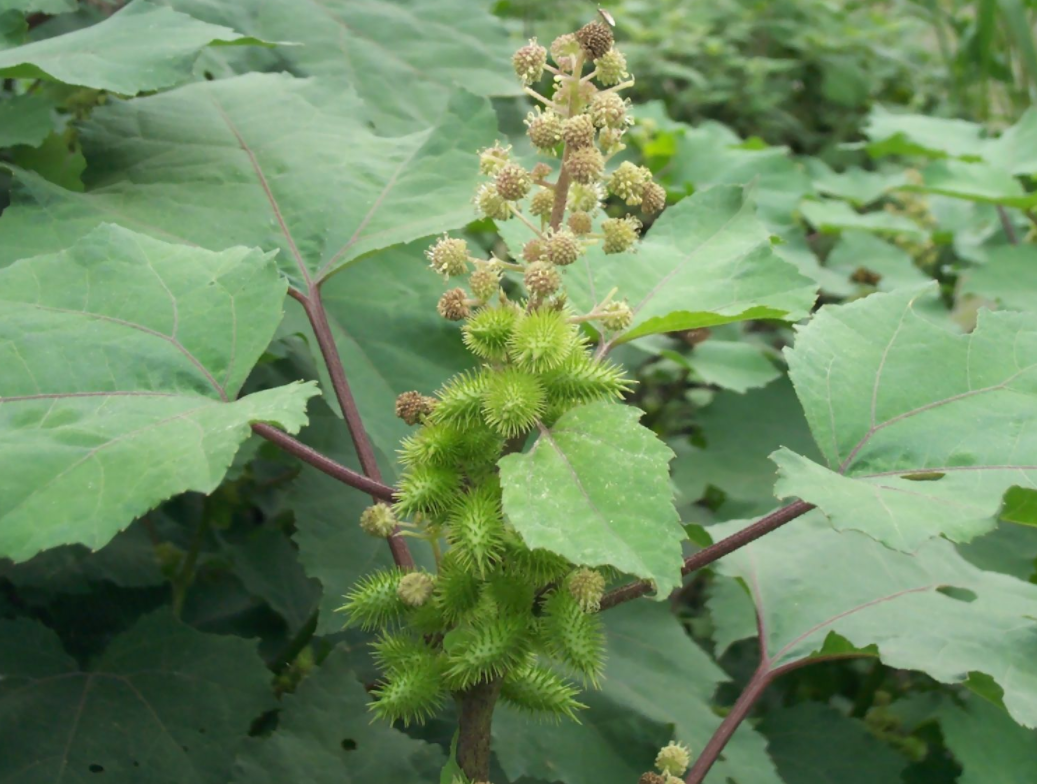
{"points": [[595, 488]]}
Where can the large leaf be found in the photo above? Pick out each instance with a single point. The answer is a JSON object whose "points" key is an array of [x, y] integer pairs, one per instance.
{"points": [[164, 704], [1016, 149], [905, 605], [835, 216], [813, 743], [655, 675], [595, 489], [1009, 278], [975, 182], [991, 748], [143, 47], [855, 184], [707, 260], [325, 736], [404, 57], [917, 134], [123, 356], [858, 251], [262, 160], [25, 119], [923, 430]]}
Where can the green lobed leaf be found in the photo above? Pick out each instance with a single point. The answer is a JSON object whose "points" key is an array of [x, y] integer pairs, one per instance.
{"points": [[707, 261], [123, 719], [261, 160], [812, 743], [858, 250], [325, 736], [729, 364], [991, 748], [656, 677], [1009, 278], [892, 133], [1016, 149], [975, 182], [595, 489], [141, 48], [404, 58], [124, 355], [923, 430], [856, 185], [871, 595], [25, 119]]}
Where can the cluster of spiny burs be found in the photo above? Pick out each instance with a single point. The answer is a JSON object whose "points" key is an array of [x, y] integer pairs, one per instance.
{"points": [[495, 610]]}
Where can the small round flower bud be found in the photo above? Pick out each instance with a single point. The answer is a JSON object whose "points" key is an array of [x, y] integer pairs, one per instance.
{"points": [[653, 198], [454, 305], [415, 588], [611, 140], [533, 250], [651, 778], [539, 171], [609, 110], [448, 256], [490, 204], [673, 759], [412, 407], [617, 316], [595, 38], [492, 158], [529, 62], [544, 129], [562, 247], [580, 223], [620, 234], [564, 50], [586, 165], [628, 182], [484, 282], [612, 68], [378, 520], [578, 131], [542, 203], [585, 198], [513, 182], [587, 587], [542, 278]]}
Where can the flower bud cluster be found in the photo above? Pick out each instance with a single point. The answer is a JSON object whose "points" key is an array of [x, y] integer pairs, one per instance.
{"points": [[493, 607]]}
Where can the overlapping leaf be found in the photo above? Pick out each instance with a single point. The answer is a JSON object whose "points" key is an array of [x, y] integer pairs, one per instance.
{"points": [[923, 430], [141, 48], [164, 704], [404, 57], [122, 357], [1009, 278], [261, 160], [595, 489], [707, 261], [324, 736], [834, 216], [25, 119], [870, 595]]}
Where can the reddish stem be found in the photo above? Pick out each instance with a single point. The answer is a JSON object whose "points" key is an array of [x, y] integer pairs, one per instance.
{"points": [[715, 551]]}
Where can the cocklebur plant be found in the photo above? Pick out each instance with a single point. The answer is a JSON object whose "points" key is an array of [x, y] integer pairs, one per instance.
{"points": [[498, 619]]}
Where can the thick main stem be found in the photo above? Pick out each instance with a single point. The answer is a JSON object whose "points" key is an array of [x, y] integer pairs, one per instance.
{"points": [[708, 555], [474, 725], [757, 685], [562, 185], [318, 318]]}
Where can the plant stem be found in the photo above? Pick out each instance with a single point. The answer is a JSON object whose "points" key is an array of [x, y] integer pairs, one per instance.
{"points": [[183, 579], [474, 725], [1006, 224], [324, 463], [315, 312], [295, 645], [562, 184], [715, 551], [757, 685]]}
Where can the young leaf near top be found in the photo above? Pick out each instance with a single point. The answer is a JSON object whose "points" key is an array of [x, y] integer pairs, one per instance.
{"points": [[707, 260], [261, 160], [595, 489], [907, 606], [403, 58], [123, 357], [164, 703], [140, 48], [923, 430]]}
